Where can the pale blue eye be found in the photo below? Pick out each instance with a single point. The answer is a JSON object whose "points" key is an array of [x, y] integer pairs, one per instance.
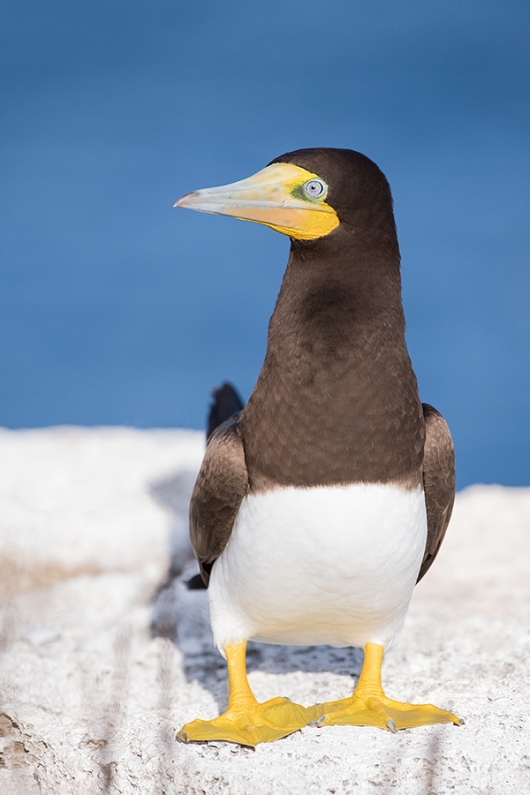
{"points": [[315, 188]]}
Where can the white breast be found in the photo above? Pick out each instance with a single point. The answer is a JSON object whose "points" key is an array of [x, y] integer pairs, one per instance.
{"points": [[329, 565]]}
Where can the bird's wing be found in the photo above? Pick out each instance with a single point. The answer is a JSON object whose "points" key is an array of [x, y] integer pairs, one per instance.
{"points": [[438, 482], [221, 485]]}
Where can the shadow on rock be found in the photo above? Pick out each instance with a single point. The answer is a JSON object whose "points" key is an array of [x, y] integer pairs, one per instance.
{"points": [[174, 495], [182, 615]]}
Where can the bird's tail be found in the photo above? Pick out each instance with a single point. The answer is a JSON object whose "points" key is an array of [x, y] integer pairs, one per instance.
{"points": [[226, 403]]}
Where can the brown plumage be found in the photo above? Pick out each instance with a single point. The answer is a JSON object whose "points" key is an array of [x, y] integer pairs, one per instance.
{"points": [[438, 482], [221, 485]]}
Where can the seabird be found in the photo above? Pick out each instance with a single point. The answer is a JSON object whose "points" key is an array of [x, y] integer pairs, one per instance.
{"points": [[320, 505]]}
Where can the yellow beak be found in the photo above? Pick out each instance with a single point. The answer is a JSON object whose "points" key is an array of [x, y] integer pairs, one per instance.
{"points": [[275, 197]]}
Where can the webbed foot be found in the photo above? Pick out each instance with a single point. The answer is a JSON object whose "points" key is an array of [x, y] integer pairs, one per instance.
{"points": [[378, 710], [250, 723], [369, 706], [246, 721]]}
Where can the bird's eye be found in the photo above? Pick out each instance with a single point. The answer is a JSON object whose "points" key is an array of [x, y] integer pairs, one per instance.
{"points": [[315, 188]]}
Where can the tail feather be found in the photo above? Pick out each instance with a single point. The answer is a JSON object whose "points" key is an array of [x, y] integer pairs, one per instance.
{"points": [[226, 402]]}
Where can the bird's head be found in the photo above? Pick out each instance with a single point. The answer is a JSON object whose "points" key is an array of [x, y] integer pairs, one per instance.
{"points": [[307, 194]]}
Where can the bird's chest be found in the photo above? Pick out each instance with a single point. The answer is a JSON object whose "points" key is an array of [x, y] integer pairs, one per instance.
{"points": [[355, 418], [334, 564]]}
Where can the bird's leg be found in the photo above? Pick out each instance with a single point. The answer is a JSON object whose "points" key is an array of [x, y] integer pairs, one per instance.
{"points": [[246, 721], [368, 706]]}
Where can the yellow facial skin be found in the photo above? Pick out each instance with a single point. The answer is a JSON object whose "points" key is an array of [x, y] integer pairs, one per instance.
{"points": [[275, 196]]}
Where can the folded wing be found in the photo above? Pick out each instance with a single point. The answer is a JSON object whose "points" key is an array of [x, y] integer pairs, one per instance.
{"points": [[438, 482], [221, 485]]}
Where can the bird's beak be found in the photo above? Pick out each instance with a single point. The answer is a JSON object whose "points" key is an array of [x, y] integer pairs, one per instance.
{"points": [[274, 197]]}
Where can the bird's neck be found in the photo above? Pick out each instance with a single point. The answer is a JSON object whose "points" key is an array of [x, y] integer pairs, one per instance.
{"points": [[338, 300], [337, 379]]}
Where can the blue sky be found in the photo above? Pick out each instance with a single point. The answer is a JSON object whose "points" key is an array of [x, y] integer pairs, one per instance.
{"points": [[116, 308]]}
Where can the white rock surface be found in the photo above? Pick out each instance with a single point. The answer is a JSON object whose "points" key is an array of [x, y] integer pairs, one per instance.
{"points": [[91, 700]]}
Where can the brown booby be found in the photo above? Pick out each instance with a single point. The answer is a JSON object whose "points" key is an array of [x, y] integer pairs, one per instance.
{"points": [[320, 505]]}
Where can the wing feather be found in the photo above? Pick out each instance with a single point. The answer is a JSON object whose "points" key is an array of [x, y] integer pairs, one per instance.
{"points": [[438, 482], [221, 485]]}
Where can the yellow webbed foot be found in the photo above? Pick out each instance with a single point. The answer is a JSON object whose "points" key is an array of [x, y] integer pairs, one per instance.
{"points": [[249, 723], [370, 707], [378, 710], [246, 721]]}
